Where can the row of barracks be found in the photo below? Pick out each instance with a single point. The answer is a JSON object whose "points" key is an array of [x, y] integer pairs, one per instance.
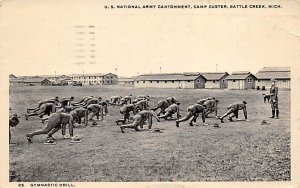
{"points": [[213, 80]]}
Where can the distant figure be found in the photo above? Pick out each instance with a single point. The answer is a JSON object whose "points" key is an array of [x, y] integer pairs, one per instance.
{"points": [[274, 99], [234, 110], [13, 121], [266, 97]]}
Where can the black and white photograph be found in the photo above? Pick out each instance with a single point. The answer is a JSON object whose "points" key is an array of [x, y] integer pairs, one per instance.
{"points": [[153, 93]]}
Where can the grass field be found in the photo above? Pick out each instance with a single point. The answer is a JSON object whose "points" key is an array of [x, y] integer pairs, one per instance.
{"points": [[237, 151]]}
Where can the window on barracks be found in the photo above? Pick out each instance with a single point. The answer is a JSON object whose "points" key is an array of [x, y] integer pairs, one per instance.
{"points": [[172, 81], [166, 81], [143, 81], [150, 81], [157, 81], [188, 81], [214, 81], [284, 80], [249, 80], [233, 80], [137, 81]]}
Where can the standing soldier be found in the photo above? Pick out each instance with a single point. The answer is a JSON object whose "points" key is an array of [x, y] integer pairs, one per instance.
{"points": [[56, 121], [125, 110], [274, 98], [234, 110], [13, 121], [193, 110], [172, 109], [139, 119]]}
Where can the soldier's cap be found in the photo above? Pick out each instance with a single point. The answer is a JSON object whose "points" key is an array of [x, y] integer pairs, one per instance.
{"points": [[56, 97], [72, 97], [178, 103], [244, 102], [273, 80], [76, 138], [99, 97]]}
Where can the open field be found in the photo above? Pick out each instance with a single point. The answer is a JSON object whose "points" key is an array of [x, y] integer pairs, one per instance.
{"points": [[238, 151]]}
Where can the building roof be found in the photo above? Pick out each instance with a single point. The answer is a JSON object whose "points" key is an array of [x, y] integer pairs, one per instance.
{"points": [[214, 75], [35, 79], [171, 76], [274, 72], [127, 78], [95, 74], [241, 75], [12, 76]]}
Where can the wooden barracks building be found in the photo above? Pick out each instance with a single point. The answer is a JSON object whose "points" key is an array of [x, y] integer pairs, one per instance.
{"points": [[215, 80], [241, 80], [281, 74], [170, 80]]}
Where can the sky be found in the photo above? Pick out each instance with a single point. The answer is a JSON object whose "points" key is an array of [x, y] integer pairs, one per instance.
{"points": [[47, 37]]}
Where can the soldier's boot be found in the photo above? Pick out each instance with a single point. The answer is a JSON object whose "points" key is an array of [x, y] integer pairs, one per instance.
{"points": [[273, 113], [177, 123], [277, 114]]}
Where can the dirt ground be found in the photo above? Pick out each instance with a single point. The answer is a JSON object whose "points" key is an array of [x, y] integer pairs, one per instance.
{"points": [[237, 151]]}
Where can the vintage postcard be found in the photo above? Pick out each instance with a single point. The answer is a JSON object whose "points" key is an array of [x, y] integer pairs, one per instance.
{"points": [[156, 94]]}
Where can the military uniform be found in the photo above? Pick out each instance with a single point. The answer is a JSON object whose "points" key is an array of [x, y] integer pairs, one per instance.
{"points": [[83, 101], [56, 121], [171, 100], [210, 106], [172, 109], [13, 121], [193, 110], [125, 110], [274, 101], [46, 108], [79, 113], [40, 103], [162, 105], [234, 110], [139, 119], [142, 105], [96, 109]]}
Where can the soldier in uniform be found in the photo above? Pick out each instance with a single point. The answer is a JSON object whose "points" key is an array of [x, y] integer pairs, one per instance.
{"points": [[162, 105], [211, 106], [125, 110], [93, 100], [126, 100], [66, 102], [115, 100], [78, 114], [13, 121], [172, 109], [274, 99], [193, 111], [234, 110], [46, 108], [83, 101], [139, 119], [142, 105], [171, 100], [97, 110], [56, 121], [40, 103]]}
